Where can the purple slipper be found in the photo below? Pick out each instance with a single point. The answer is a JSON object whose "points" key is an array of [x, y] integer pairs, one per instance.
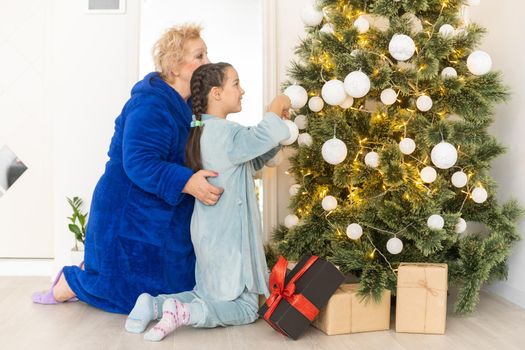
{"points": [[47, 298]]}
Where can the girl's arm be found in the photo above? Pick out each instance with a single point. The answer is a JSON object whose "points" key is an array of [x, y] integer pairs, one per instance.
{"points": [[260, 162], [248, 143]]}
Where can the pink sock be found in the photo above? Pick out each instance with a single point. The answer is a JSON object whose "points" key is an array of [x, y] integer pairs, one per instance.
{"points": [[174, 315]]}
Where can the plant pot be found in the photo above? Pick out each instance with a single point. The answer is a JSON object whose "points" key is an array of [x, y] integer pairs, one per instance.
{"points": [[77, 256]]}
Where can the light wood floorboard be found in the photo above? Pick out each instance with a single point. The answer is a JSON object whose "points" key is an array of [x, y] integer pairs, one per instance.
{"points": [[496, 325]]}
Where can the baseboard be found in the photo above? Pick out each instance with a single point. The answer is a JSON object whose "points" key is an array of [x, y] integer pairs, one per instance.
{"points": [[26, 267], [507, 292]]}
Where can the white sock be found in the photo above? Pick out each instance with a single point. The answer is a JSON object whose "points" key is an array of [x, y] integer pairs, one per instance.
{"points": [[146, 309], [174, 315]]}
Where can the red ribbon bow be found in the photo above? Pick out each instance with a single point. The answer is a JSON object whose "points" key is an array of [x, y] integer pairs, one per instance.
{"points": [[279, 291]]}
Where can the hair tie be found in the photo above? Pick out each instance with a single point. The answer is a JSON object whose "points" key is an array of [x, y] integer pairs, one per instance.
{"points": [[194, 123]]}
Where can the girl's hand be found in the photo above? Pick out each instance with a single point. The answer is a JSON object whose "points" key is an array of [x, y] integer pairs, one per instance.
{"points": [[280, 105]]}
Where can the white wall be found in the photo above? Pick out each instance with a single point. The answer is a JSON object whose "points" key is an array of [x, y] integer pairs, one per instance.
{"points": [[504, 21]]}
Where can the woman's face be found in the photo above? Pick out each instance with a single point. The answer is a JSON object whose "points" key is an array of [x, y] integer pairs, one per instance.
{"points": [[195, 55], [231, 92]]}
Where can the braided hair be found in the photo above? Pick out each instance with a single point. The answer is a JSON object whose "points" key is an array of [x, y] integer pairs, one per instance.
{"points": [[202, 81]]}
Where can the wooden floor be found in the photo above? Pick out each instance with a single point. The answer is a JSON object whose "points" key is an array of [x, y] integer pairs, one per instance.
{"points": [[497, 324]]}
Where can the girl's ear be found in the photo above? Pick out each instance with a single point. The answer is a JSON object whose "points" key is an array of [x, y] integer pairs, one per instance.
{"points": [[215, 93]]}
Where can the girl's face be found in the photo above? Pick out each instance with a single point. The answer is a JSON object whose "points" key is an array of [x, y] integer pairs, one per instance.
{"points": [[231, 92]]}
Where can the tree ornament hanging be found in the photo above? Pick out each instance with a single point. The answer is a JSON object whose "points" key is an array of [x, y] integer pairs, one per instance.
{"points": [[479, 63], [416, 26], [328, 28], [446, 31], [291, 220], [444, 155], [301, 121], [354, 231], [294, 189], [333, 92], [294, 132], [407, 146], [357, 84], [394, 245], [428, 174], [316, 104], [461, 226], [362, 24], [372, 159], [424, 103], [479, 195], [329, 203], [347, 103], [298, 96], [388, 96], [311, 16], [401, 47], [449, 73], [334, 151], [459, 179], [435, 222], [305, 139]]}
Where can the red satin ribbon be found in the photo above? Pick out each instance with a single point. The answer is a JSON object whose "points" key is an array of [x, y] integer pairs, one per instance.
{"points": [[279, 291]]}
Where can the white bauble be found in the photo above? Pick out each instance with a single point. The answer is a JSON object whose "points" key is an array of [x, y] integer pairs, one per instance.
{"points": [[327, 28], [446, 31], [355, 52], [291, 220], [435, 222], [424, 103], [276, 160], [388, 96], [428, 174], [298, 96], [394, 245], [294, 132], [301, 121], [473, 2], [354, 231], [347, 103], [401, 47], [449, 72], [459, 179], [415, 23], [294, 189], [479, 62], [334, 151], [357, 84], [461, 226], [311, 17], [479, 195], [407, 145], [362, 25], [444, 155], [372, 159], [333, 92], [315, 104], [305, 139], [329, 203]]}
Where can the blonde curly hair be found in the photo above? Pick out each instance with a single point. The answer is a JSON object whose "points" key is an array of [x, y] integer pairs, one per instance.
{"points": [[168, 51]]}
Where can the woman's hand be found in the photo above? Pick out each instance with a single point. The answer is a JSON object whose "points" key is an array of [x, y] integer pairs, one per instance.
{"points": [[281, 105], [199, 187]]}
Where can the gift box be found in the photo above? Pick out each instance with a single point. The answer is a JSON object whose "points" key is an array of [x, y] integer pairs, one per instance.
{"points": [[421, 298], [346, 312], [296, 297]]}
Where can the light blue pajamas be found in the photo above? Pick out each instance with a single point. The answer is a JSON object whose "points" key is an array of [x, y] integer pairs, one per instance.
{"points": [[231, 268]]}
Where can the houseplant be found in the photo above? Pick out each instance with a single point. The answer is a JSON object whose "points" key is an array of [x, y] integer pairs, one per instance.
{"points": [[77, 225]]}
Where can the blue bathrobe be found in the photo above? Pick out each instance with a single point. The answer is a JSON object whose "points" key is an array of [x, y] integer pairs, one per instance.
{"points": [[138, 234]]}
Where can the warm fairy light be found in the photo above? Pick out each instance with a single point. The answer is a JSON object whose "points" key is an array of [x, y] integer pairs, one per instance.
{"points": [[339, 233], [372, 254], [287, 172]]}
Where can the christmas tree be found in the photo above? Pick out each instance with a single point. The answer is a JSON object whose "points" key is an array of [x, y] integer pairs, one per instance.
{"points": [[393, 101]]}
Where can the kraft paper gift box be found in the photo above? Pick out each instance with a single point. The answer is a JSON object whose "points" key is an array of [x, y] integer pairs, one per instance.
{"points": [[297, 296], [346, 312], [421, 298]]}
